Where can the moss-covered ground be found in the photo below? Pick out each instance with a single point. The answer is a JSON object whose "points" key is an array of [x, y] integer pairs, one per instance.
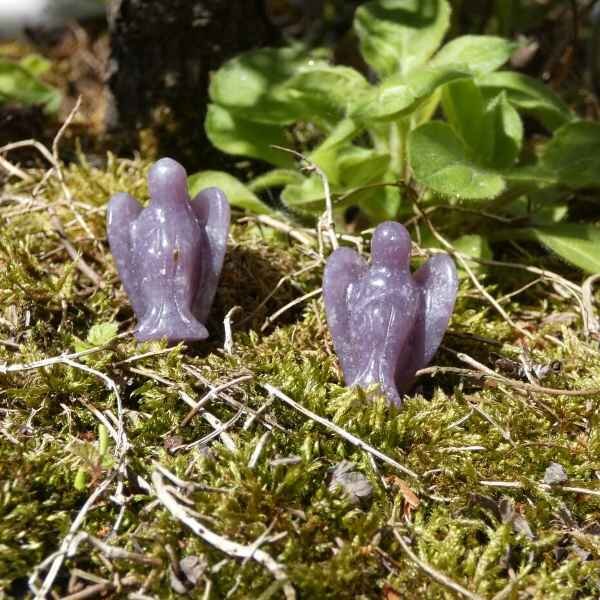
{"points": [[265, 481]]}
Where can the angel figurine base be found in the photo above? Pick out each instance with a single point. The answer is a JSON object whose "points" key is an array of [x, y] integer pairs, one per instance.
{"points": [[387, 323], [169, 255]]}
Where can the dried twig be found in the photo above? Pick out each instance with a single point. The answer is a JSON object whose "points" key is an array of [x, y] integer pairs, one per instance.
{"points": [[29, 144], [252, 417], [75, 256], [54, 360], [228, 343], [289, 277], [14, 170], [102, 418], [294, 233], [434, 574], [91, 591], [97, 589], [517, 485], [188, 485], [521, 385], [462, 209], [223, 544], [260, 446], [114, 552], [339, 431], [450, 248], [213, 393], [153, 375], [56, 560], [506, 592], [571, 288], [289, 305], [309, 166], [219, 429], [67, 359], [122, 443], [54, 160], [263, 538], [137, 357], [523, 288], [267, 421], [505, 434], [590, 320], [122, 446], [63, 128]]}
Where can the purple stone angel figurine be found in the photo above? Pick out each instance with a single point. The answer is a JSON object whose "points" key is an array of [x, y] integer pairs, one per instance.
{"points": [[169, 255], [387, 324]]}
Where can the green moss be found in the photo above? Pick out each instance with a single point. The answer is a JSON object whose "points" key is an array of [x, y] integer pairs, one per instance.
{"points": [[454, 432]]}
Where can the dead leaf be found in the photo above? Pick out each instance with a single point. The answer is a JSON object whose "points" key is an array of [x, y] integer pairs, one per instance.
{"points": [[409, 496], [390, 592]]}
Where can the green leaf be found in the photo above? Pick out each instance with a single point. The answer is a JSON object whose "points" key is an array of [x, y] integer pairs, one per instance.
{"points": [[506, 129], [344, 131], [478, 54], [237, 193], [355, 168], [471, 244], [359, 166], [274, 178], [573, 155], [36, 64], [440, 161], [474, 245], [549, 214], [577, 244], [465, 109], [398, 96], [102, 333], [426, 109], [380, 203], [529, 95], [399, 36], [530, 176], [307, 196], [80, 480], [235, 135], [102, 440], [325, 91], [253, 84], [19, 85], [325, 154]]}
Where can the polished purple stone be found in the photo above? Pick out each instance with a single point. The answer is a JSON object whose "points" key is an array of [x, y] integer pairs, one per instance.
{"points": [[387, 323], [169, 255]]}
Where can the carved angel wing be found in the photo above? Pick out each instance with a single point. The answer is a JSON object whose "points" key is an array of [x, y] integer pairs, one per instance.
{"points": [[438, 282], [344, 267], [122, 211], [212, 210]]}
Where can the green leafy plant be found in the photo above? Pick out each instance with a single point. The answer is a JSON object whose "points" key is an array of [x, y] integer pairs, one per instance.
{"points": [[20, 83], [440, 125], [98, 335], [93, 458]]}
